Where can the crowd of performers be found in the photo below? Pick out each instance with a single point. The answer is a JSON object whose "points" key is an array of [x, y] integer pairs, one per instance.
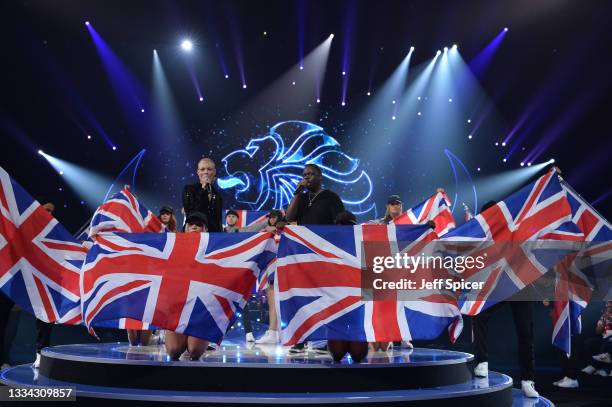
{"points": [[314, 205]]}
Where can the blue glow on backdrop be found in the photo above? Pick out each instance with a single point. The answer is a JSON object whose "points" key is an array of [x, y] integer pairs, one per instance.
{"points": [[264, 174]]}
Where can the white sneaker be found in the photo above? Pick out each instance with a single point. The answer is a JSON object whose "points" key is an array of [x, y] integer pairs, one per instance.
{"points": [[407, 345], [589, 369], [528, 387], [601, 372], [482, 369], [567, 383], [250, 337], [603, 357], [269, 337], [36, 363]]}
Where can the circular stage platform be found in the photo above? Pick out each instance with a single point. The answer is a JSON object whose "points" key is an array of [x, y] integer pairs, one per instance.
{"points": [[238, 374]]}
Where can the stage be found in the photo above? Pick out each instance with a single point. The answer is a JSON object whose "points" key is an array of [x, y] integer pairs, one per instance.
{"points": [[239, 374]]}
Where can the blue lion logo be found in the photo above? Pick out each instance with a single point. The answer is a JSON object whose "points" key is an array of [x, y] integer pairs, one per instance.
{"points": [[265, 173]]}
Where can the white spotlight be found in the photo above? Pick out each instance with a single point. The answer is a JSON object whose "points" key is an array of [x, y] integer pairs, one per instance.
{"points": [[454, 46], [478, 169], [552, 161], [504, 144], [343, 73], [318, 100], [226, 76], [41, 152], [331, 35], [506, 29], [201, 99], [522, 164], [496, 143], [392, 117], [301, 68], [293, 83], [438, 53], [244, 86], [61, 172], [142, 110], [450, 100], [368, 93], [89, 137], [411, 49], [470, 136], [114, 148], [418, 113], [469, 120], [343, 103], [445, 49], [187, 45], [529, 164], [393, 102], [504, 160]]}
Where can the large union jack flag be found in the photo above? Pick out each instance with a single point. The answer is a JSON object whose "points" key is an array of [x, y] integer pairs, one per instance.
{"points": [[581, 272], [191, 283], [511, 236], [124, 213], [435, 208], [319, 288], [39, 260]]}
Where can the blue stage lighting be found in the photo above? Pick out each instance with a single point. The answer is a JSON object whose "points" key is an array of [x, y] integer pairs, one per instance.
{"points": [[522, 164], [469, 120], [142, 110], [293, 83], [301, 68], [506, 29], [41, 152], [454, 46], [505, 160], [368, 94], [244, 86], [114, 148], [438, 53], [318, 100], [187, 45], [393, 102], [551, 161], [418, 98], [392, 117], [470, 136], [529, 164], [503, 144], [478, 169], [418, 113], [201, 99], [86, 22], [445, 49], [343, 73], [450, 100], [496, 143], [343, 103], [61, 172], [411, 49], [226, 76]]}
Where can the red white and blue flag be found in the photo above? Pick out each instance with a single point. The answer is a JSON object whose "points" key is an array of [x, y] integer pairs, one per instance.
{"points": [[435, 208], [248, 218], [580, 272], [191, 283], [124, 213], [319, 289], [511, 237], [39, 260]]}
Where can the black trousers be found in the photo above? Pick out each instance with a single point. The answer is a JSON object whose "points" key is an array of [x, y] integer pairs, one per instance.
{"points": [[43, 335], [246, 319], [569, 365], [6, 304], [522, 313]]}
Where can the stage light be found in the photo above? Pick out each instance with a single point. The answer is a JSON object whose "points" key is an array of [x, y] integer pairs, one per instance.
{"points": [[506, 29], [418, 98], [293, 83], [496, 143], [114, 148], [392, 117], [343, 103], [368, 94], [504, 160], [454, 46], [41, 152], [201, 99], [478, 169], [470, 136], [393, 102], [265, 33], [503, 144], [318, 100], [89, 137], [244, 86], [529, 164], [86, 22], [142, 110], [450, 100], [343, 73], [411, 49], [187, 45], [445, 49], [551, 161], [418, 113], [331, 35], [438, 53], [226, 76], [301, 68], [469, 120], [522, 164], [61, 172]]}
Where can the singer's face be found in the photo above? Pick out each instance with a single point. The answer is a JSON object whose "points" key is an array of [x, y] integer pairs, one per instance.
{"points": [[395, 209], [206, 171], [312, 178]]}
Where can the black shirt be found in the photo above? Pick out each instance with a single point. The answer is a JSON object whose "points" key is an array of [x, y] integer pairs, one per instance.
{"points": [[325, 206], [195, 198]]}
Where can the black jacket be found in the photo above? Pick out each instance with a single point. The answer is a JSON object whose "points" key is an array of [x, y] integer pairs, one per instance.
{"points": [[195, 198]]}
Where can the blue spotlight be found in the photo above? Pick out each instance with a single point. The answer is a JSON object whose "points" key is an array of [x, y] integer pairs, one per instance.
{"points": [[142, 110], [201, 99], [226, 76], [318, 100], [343, 73], [244, 86], [450, 100], [505, 160], [368, 94], [61, 172], [470, 136], [522, 164], [503, 144], [392, 117], [393, 102], [114, 148], [87, 22], [343, 103], [506, 29], [187, 45], [469, 120], [418, 98], [301, 68], [418, 113], [529, 164]]}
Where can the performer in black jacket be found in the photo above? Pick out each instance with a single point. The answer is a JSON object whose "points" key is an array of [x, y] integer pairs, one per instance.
{"points": [[204, 196]]}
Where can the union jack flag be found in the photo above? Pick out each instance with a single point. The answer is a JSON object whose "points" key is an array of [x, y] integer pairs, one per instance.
{"points": [[39, 260], [435, 208], [510, 237], [191, 283], [578, 274], [319, 289], [249, 218], [124, 213], [268, 273]]}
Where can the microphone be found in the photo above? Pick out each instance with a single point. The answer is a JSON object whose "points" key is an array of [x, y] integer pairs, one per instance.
{"points": [[299, 189]]}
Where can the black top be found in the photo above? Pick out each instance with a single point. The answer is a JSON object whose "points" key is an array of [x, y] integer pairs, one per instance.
{"points": [[325, 206], [195, 198]]}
